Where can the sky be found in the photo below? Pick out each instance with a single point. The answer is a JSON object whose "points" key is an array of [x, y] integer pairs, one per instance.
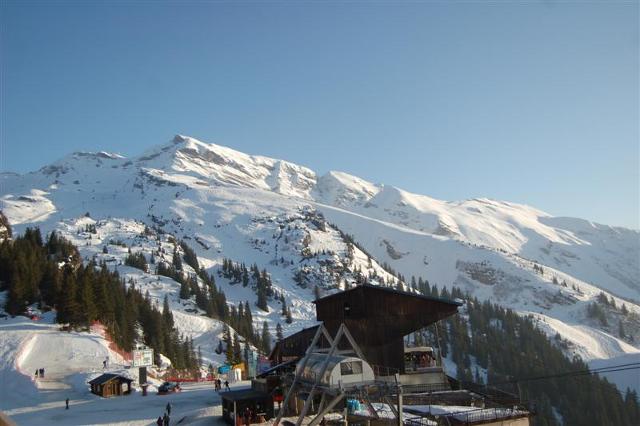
{"points": [[529, 102]]}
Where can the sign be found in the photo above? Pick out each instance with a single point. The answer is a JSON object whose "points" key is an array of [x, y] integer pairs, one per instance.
{"points": [[263, 364], [224, 369], [142, 358]]}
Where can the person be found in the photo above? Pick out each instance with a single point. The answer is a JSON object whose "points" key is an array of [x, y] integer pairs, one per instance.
{"points": [[67, 403], [226, 385], [36, 373], [219, 384], [247, 416], [41, 373], [168, 408], [166, 419], [104, 364], [159, 422]]}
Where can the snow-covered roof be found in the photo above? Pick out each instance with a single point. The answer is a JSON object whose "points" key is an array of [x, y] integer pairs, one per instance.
{"points": [[107, 377]]}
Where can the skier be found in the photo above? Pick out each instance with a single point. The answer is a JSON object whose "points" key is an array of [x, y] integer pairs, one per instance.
{"points": [[67, 403], [41, 371], [226, 385], [159, 422], [166, 419], [36, 373], [168, 408]]}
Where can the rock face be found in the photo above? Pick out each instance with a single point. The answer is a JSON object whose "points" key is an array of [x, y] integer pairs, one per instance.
{"points": [[336, 230]]}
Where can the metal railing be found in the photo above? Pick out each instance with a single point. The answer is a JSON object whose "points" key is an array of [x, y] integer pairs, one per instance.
{"points": [[382, 371]]}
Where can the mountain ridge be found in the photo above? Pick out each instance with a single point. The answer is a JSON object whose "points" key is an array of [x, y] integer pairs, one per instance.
{"points": [[287, 219]]}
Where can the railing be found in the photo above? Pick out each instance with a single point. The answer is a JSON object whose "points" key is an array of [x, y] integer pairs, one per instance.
{"points": [[485, 414], [382, 371], [468, 417], [425, 388]]}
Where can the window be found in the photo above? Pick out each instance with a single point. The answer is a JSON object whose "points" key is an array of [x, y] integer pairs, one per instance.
{"points": [[350, 367]]}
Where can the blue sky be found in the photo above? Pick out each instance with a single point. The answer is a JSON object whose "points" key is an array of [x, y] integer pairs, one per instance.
{"points": [[531, 102]]}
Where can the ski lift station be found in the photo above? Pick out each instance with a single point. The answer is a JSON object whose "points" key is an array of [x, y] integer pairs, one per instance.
{"points": [[355, 367], [339, 372]]}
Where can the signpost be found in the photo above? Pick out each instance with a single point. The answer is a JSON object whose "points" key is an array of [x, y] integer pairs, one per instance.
{"points": [[142, 358]]}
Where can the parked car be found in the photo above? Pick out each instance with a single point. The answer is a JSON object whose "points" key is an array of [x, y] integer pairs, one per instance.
{"points": [[167, 387]]}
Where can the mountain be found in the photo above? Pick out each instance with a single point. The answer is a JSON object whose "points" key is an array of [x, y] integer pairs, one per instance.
{"points": [[333, 230]]}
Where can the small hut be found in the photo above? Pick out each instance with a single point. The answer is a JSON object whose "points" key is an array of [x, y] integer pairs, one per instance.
{"points": [[234, 404], [109, 384]]}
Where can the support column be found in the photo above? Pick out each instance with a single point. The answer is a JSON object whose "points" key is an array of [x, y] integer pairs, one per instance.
{"points": [[399, 390]]}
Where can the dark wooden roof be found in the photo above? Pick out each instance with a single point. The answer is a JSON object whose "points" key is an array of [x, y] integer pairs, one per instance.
{"points": [[370, 288], [380, 313], [378, 317], [244, 394], [100, 380], [294, 344]]}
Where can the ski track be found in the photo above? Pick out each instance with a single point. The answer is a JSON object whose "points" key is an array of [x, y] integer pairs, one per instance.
{"points": [[229, 200]]}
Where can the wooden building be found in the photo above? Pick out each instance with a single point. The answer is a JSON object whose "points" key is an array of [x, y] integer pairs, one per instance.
{"points": [[294, 346], [234, 404], [109, 384], [378, 318]]}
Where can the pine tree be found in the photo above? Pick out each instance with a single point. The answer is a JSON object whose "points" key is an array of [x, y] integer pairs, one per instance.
{"points": [[265, 338], [262, 300], [185, 291], [167, 315], [621, 331], [237, 351], [228, 343], [177, 261]]}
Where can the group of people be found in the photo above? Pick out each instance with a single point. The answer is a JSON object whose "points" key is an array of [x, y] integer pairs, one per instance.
{"points": [[217, 383], [164, 420], [40, 373]]}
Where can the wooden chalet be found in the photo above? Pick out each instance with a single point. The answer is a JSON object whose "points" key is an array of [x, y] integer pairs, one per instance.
{"points": [[234, 403], [378, 318], [109, 384]]}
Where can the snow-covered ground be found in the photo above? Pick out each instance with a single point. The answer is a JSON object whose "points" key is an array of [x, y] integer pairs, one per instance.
{"points": [[287, 220], [623, 379], [70, 360]]}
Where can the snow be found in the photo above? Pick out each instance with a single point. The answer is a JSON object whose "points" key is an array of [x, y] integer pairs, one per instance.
{"points": [[625, 379], [253, 209], [70, 360], [465, 413]]}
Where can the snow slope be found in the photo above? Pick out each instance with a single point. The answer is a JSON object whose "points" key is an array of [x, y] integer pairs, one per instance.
{"points": [[291, 222]]}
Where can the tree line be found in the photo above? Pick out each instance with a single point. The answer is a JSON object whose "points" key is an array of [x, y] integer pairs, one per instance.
{"points": [[509, 347], [52, 275]]}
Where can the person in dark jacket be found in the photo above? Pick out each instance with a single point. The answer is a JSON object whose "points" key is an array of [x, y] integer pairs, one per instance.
{"points": [[226, 385], [168, 408], [166, 419], [67, 403], [159, 422], [247, 416]]}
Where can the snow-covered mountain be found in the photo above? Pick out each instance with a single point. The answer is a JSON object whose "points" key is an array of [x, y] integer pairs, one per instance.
{"points": [[293, 223]]}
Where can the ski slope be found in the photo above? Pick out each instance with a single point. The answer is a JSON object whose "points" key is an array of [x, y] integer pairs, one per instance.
{"points": [[288, 220]]}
